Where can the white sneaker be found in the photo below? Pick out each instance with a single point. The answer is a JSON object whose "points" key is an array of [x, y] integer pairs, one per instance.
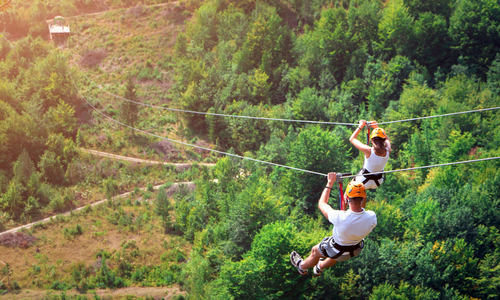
{"points": [[317, 270], [296, 260]]}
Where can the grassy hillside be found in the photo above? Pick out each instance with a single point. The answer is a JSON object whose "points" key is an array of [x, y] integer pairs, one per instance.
{"points": [[135, 42], [71, 251]]}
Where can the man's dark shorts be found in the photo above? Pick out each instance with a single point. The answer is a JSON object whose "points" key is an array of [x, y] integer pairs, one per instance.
{"points": [[326, 248]]}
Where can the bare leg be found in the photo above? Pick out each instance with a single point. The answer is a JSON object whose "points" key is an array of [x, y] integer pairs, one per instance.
{"points": [[312, 259], [327, 263]]}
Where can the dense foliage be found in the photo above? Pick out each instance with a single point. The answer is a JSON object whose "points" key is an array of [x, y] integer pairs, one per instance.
{"points": [[437, 229]]}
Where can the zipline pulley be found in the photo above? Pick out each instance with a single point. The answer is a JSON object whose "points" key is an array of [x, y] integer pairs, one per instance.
{"points": [[368, 132], [341, 190]]}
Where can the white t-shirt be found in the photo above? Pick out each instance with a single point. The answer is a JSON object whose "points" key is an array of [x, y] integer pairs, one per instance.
{"points": [[349, 227]]}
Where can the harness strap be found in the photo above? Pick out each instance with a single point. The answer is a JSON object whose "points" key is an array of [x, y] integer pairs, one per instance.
{"points": [[343, 249], [374, 177]]}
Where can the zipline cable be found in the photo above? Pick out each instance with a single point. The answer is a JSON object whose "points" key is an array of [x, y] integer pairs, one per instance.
{"points": [[261, 161], [7, 40], [443, 115], [277, 119], [427, 167], [213, 114], [274, 119], [183, 143], [270, 163]]}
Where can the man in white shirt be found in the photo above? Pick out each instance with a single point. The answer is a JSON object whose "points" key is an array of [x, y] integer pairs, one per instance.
{"points": [[349, 229]]}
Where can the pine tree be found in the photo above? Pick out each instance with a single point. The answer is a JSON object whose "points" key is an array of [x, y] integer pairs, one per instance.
{"points": [[129, 111], [162, 208]]}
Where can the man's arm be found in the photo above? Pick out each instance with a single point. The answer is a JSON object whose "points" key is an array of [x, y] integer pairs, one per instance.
{"points": [[323, 200]]}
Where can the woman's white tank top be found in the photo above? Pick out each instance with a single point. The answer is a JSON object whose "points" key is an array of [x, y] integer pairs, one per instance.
{"points": [[375, 163]]}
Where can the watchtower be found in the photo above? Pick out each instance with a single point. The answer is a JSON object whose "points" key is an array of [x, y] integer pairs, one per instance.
{"points": [[57, 28]]}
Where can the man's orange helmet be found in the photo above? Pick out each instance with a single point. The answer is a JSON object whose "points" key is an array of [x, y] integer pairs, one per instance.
{"points": [[355, 189], [378, 132]]}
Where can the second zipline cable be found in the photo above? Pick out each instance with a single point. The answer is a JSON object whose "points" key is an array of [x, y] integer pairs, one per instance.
{"points": [[265, 162]]}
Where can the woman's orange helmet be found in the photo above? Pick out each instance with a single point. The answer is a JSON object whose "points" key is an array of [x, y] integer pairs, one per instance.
{"points": [[378, 132], [355, 189]]}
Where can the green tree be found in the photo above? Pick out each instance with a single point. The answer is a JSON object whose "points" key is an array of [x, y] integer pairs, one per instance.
{"points": [[110, 188], [437, 7], [395, 30], [23, 168], [162, 209], [247, 134], [385, 82], [265, 271], [471, 25], [433, 44], [61, 119], [128, 110], [316, 150], [256, 205], [7, 271], [309, 105], [403, 291], [51, 167], [267, 42], [494, 76]]}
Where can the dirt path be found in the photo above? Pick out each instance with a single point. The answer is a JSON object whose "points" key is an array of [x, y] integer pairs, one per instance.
{"points": [[143, 161], [170, 191], [155, 292]]}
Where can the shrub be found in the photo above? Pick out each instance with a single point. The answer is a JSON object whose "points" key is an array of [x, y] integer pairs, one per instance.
{"points": [[87, 209], [106, 278], [145, 74], [110, 187], [15, 285], [70, 233], [150, 188], [60, 286], [136, 191], [111, 111], [57, 203], [36, 269], [103, 253]]}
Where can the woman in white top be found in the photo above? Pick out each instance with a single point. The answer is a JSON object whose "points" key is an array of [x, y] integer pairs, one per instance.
{"points": [[375, 157]]}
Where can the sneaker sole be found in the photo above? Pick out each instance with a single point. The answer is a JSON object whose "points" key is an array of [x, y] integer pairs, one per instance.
{"points": [[293, 264]]}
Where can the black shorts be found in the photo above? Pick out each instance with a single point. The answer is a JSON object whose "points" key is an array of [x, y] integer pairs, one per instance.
{"points": [[326, 249]]}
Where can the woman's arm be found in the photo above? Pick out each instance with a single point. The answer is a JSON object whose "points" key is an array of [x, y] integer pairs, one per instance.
{"points": [[356, 143], [388, 144]]}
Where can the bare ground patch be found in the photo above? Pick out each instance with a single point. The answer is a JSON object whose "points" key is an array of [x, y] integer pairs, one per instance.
{"points": [[93, 58], [155, 292]]}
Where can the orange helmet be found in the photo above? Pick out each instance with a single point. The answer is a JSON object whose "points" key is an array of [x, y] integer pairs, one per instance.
{"points": [[378, 132], [355, 189]]}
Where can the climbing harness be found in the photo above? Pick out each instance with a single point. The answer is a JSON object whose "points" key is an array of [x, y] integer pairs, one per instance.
{"points": [[368, 133], [339, 186], [369, 176], [350, 249], [376, 133]]}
